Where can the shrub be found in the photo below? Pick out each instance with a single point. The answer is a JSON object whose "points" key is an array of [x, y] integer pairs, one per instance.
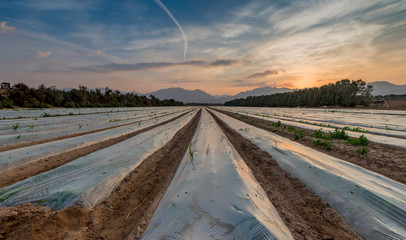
{"points": [[337, 134], [299, 134], [328, 145], [363, 150]]}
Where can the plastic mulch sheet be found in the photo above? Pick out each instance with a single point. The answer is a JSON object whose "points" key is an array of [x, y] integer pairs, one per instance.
{"points": [[214, 195]]}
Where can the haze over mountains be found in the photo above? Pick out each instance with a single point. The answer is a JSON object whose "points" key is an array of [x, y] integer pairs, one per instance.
{"points": [[199, 96], [387, 88]]}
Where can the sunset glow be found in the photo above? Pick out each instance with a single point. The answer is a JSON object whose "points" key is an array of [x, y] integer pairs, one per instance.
{"points": [[221, 47]]}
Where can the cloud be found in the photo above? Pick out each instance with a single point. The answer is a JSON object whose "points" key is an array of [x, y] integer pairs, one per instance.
{"points": [[41, 54], [97, 53], [263, 74], [114, 67], [6, 29], [224, 62]]}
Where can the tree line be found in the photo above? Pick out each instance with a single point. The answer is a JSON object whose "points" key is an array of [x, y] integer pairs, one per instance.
{"points": [[21, 95], [345, 93]]}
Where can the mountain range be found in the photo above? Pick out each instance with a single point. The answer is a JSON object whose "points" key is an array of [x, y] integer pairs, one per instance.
{"points": [[199, 96], [387, 88]]}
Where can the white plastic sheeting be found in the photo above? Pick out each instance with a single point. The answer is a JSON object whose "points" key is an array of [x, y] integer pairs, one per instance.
{"points": [[374, 205], [393, 141], [90, 179], [32, 113], [214, 195], [378, 119], [60, 126], [19, 157]]}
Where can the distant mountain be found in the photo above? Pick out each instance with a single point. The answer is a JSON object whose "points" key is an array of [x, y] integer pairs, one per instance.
{"points": [[260, 92], [199, 96], [387, 88], [183, 95]]}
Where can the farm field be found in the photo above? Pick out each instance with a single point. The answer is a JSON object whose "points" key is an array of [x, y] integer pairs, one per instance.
{"points": [[202, 173]]}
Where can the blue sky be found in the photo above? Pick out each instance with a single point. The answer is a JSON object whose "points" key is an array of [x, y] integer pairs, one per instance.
{"points": [[232, 45]]}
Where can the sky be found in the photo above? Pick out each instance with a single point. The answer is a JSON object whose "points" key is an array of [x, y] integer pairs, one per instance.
{"points": [[218, 46]]}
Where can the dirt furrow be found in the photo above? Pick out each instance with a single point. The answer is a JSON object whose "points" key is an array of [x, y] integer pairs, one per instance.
{"points": [[124, 214], [32, 143], [387, 160], [43, 165], [306, 215]]}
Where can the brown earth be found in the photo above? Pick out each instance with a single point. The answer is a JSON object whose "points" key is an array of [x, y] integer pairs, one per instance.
{"points": [[306, 215], [123, 214], [387, 160], [43, 165], [31, 143]]}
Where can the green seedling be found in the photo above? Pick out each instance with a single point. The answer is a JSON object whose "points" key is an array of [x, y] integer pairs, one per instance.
{"points": [[388, 128], [337, 134], [277, 124], [45, 114], [32, 126], [299, 134], [19, 136], [362, 140], [325, 144], [191, 154], [291, 129], [319, 134], [15, 127], [80, 126], [363, 151]]}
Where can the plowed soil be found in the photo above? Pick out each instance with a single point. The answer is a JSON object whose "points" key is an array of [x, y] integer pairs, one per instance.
{"points": [[123, 215], [305, 214], [387, 160], [43, 165]]}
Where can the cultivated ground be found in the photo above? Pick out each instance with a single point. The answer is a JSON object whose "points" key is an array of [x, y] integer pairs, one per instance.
{"points": [[128, 209]]}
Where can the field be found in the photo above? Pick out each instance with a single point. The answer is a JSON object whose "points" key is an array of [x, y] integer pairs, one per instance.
{"points": [[202, 173]]}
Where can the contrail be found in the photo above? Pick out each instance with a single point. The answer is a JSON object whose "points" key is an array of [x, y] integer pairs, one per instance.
{"points": [[177, 24]]}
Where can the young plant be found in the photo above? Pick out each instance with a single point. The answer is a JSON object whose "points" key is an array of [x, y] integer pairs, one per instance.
{"points": [[337, 134], [319, 134], [191, 155], [362, 140], [363, 151], [277, 124], [325, 144], [299, 134], [291, 129], [15, 127]]}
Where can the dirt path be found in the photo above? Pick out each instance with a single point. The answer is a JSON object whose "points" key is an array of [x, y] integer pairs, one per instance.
{"points": [[43, 165], [125, 212], [383, 159], [306, 215], [31, 143]]}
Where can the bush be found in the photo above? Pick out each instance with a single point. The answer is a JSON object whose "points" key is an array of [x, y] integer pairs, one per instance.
{"points": [[363, 151], [362, 140], [299, 134], [326, 144], [337, 134]]}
